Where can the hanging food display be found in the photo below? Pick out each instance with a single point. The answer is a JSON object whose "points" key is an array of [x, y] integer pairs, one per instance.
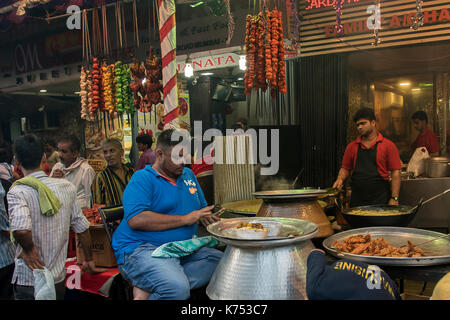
{"points": [[109, 88], [153, 74], [124, 95], [265, 53], [147, 87], [84, 94], [96, 83], [138, 75]]}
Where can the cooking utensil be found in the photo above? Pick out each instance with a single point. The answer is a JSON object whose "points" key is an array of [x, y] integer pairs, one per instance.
{"points": [[263, 269], [437, 167], [438, 250], [297, 177], [440, 237], [406, 215]]}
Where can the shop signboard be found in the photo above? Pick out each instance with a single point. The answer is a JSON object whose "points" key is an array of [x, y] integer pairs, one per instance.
{"points": [[318, 27]]}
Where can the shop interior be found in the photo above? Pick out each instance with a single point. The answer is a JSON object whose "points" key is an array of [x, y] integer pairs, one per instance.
{"points": [[401, 81]]}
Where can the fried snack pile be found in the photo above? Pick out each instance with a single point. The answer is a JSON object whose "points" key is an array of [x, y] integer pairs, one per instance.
{"points": [[364, 245], [250, 226]]}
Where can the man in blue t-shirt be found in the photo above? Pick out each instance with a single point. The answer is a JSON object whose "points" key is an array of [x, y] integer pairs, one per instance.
{"points": [[163, 203]]}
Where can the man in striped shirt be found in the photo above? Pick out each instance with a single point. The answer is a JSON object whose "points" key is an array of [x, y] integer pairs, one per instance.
{"points": [[43, 239], [6, 252], [109, 184]]}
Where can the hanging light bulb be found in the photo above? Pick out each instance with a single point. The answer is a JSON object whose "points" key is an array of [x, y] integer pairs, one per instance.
{"points": [[188, 69], [242, 59]]}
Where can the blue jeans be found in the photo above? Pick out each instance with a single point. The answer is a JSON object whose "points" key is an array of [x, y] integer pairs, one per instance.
{"points": [[169, 278]]}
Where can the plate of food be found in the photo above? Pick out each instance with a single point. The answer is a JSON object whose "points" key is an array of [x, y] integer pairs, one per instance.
{"points": [[390, 246], [264, 228]]}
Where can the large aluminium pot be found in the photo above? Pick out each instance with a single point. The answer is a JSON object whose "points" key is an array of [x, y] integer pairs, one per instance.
{"points": [[437, 167], [263, 269]]}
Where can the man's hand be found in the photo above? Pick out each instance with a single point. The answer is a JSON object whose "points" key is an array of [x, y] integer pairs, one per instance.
{"points": [[392, 202], [58, 173], [338, 184], [32, 259], [206, 221], [194, 216], [89, 267]]}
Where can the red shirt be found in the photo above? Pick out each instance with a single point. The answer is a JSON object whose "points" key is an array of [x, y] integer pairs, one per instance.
{"points": [[388, 158], [428, 140]]}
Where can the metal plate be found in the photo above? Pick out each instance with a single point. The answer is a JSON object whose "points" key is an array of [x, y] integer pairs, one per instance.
{"points": [[438, 251], [244, 207], [290, 194], [304, 228]]}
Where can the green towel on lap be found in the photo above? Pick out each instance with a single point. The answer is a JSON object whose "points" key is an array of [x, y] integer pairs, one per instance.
{"points": [[48, 202], [177, 249]]}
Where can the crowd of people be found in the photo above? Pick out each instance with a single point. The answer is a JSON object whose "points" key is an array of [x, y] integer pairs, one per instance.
{"points": [[42, 204], [163, 203]]}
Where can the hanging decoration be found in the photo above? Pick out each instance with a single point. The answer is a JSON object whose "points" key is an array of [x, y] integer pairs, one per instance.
{"points": [[84, 94], [338, 7], [109, 88], [147, 86], [22, 4], [374, 21], [124, 95], [418, 19], [265, 53], [231, 24], [167, 34], [296, 20]]}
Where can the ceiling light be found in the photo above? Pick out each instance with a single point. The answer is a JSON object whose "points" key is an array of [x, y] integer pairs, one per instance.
{"points": [[242, 59], [196, 4], [207, 73], [415, 89], [404, 83], [239, 79], [188, 69], [42, 91], [77, 92], [242, 62]]}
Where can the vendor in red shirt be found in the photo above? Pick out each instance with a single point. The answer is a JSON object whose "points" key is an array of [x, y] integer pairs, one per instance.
{"points": [[369, 160], [426, 137]]}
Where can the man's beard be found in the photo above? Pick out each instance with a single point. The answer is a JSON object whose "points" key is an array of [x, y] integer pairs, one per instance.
{"points": [[366, 134]]}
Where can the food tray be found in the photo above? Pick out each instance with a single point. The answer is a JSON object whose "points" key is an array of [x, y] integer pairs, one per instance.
{"points": [[438, 251], [301, 228]]}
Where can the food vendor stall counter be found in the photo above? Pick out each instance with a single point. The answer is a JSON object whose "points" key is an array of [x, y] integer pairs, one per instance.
{"points": [[435, 214]]}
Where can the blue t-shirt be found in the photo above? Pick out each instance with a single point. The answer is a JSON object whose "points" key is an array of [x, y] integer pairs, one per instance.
{"points": [[149, 191]]}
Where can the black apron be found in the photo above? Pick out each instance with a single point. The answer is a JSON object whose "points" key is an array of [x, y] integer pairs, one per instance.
{"points": [[368, 186]]}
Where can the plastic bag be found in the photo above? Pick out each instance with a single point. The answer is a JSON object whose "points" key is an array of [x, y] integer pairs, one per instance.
{"points": [[44, 285], [417, 163]]}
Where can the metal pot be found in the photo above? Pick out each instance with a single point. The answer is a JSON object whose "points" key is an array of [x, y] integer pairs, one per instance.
{"points": [[437, 167], [263, 269]]}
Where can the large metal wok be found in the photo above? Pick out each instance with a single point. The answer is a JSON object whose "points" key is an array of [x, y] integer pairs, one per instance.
{"points": [[402, 219]]}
